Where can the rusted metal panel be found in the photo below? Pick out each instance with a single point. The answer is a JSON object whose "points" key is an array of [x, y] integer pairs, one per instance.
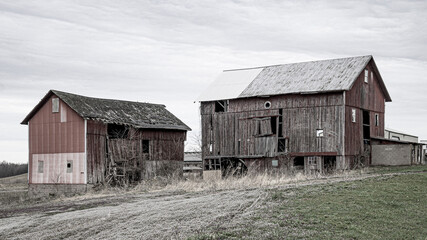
{"points": [[306, 154]]}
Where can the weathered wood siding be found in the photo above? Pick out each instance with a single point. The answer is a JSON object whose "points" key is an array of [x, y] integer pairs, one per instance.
{"points": [[368, 97], [96, 151], [232, 133], [166, 150], [55, 141], [164, 144]]}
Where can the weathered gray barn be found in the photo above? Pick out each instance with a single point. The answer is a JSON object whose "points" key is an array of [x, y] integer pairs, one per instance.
{"points": [[76, 141], [316, 116]]}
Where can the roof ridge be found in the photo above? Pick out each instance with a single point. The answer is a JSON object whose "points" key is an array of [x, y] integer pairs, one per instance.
{"points": [[108, 99], [275, 65]]}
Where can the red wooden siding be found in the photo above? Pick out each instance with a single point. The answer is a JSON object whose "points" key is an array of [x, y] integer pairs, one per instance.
{"points": [[48, 135], [363, 96]]}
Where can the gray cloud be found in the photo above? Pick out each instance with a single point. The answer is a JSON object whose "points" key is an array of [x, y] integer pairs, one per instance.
{"points": [[168, 52]]}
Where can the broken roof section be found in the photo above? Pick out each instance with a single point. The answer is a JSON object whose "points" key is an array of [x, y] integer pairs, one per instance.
{"points": [[295, 78], [135, 114]]}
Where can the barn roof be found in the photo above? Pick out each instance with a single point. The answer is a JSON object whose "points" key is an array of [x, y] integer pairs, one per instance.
{"points": [[295, 78], [136, 114]]}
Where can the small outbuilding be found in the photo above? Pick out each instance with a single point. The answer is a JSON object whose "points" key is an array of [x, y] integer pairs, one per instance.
{"points": [[76, 141]]}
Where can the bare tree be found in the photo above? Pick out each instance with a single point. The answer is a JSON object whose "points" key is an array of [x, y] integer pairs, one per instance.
{"points": [[196, 142]]}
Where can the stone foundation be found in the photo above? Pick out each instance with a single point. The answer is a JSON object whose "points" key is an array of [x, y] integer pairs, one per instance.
{"points": [[45, 190]]}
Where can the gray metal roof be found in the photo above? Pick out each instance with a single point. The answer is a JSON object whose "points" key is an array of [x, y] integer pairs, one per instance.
{"points": [[306, 77], [136, 114]]}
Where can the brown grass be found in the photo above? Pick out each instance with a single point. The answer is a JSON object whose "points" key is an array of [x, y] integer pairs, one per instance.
{"points": [[249, 181]]}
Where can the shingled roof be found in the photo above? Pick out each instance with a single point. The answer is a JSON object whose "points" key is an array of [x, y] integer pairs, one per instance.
{"points": [[306, 77], [135, 114]]}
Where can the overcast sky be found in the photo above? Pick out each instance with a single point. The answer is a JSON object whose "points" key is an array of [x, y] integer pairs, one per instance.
{"points": [[168, 52]]}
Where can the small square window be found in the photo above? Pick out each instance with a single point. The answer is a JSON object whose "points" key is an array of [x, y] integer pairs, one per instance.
{"points": [[274, 163], [312, 161], [69, 166], [366, 75], [319, 133], [353, 115]]}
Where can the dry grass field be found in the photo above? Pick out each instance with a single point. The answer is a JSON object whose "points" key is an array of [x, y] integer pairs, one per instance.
{"points": [[13, 189], [378, 203]]}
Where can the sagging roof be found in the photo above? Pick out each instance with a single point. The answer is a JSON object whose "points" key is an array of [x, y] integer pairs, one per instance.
{"points": [[295, 78], [135, 114]]}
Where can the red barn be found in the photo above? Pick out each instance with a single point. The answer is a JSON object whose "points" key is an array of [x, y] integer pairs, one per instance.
{"points": [[76, 140], [315, 116]]}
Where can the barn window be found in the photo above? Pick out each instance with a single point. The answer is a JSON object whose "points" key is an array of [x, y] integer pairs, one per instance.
{"points": [[117, 131], [263, 126], [353, 115], [311, 160], [63, 113], [40, 167], [55, 105], [377, 120], [69, 166], [210, 148], [282, 145], [319, 133], [280, 123], [145, 146], [273, 122], [267, 105], [274, 163], [366, 75], [221, 106]]}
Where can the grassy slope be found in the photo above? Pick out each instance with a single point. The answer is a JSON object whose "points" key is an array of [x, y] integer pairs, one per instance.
{"points": [[388, 207], [13, 189], [18, 179]]}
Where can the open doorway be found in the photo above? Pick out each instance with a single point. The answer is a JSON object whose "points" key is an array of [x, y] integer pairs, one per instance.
{"points": [[329, 164], [299, 163], [366, 127]]}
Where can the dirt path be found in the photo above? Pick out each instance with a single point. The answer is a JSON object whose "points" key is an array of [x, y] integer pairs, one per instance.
{"points": [[144, 217], [141, 216]]}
